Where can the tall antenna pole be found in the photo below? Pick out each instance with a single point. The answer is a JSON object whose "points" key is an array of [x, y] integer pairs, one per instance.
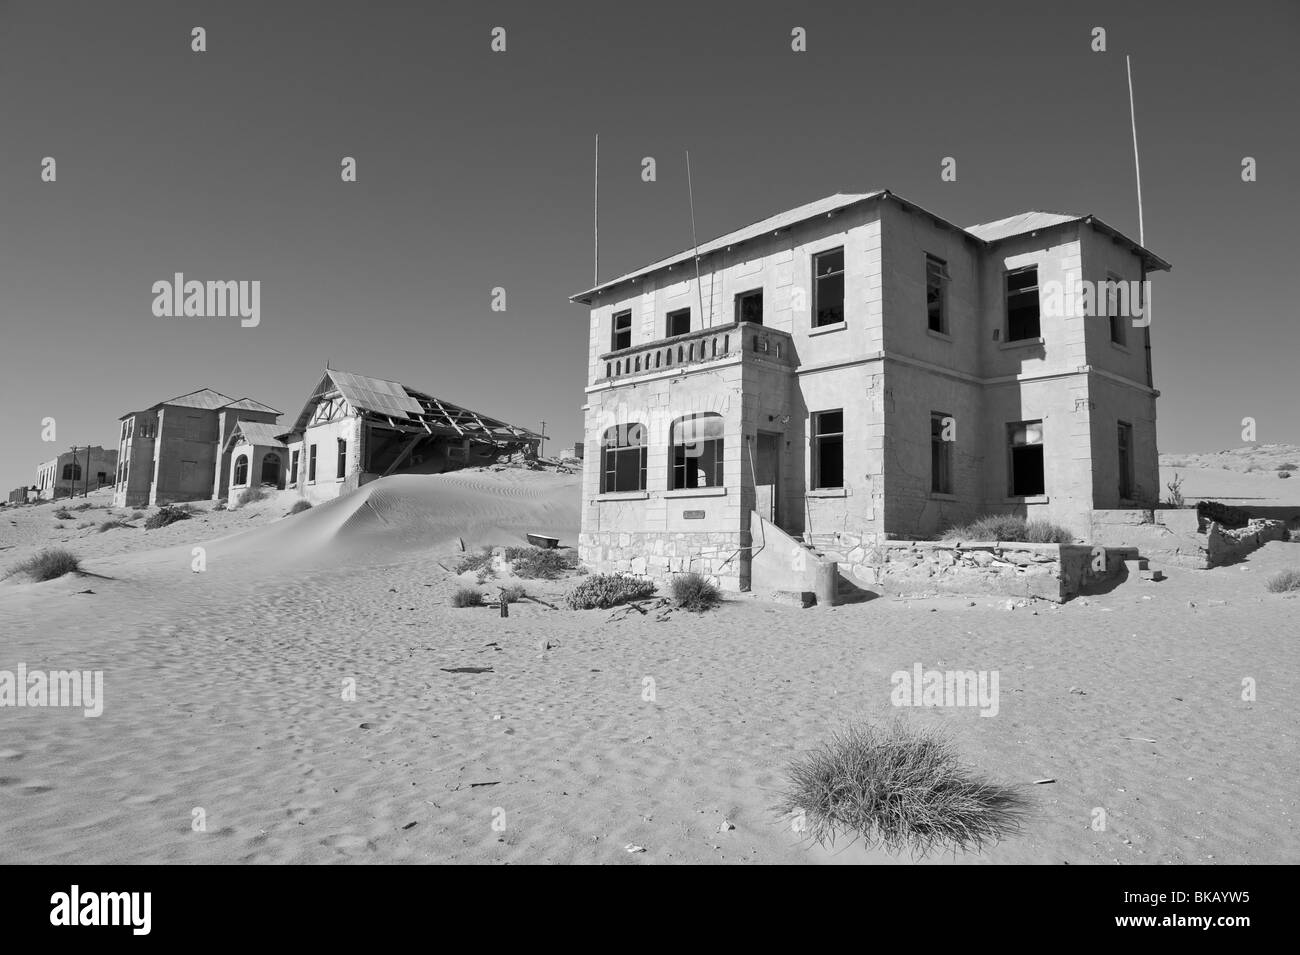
{"points": [[699, 288], [1137, 168], [595, 216]]}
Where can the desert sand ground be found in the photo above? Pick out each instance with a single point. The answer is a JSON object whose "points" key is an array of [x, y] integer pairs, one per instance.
{"points": [[223, 693]]}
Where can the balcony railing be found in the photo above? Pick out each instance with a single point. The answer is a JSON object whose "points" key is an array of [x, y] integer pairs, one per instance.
{"points": [[698, 348]]}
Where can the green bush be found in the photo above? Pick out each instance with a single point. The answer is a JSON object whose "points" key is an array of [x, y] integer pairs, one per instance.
{"points": [[111, 525], [1284, 582], [599, 591], [136, 515], [898, 788], [692, 592], [167, 514], [1010, 527], [63, 514], [542, 563], [466, 597], [47, 565], [299, 506]]}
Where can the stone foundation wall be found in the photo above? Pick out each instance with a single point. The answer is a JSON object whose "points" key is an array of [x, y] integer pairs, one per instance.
{"points": [[714, 554], [1051, 571], [1176, 537]]}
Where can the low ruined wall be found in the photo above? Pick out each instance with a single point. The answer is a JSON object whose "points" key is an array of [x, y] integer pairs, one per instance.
{"points": [[1001, 568], [1177, 537], [714, 554]]}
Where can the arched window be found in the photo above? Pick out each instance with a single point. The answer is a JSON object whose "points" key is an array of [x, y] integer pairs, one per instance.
{"points": [[72, 472], [623, 457], [271, 468], [241, 470], [696, 451]]}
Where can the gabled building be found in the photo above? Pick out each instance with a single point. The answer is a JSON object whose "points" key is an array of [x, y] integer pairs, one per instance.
{"points": [[859, 369], [171, 452], [354, 429]]}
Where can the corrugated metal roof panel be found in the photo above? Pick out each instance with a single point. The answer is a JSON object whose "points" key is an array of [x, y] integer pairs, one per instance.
{"points": [[204, 398], [781, 220], [260, 433], [1019, 224], [374, 394], [248, 404]]}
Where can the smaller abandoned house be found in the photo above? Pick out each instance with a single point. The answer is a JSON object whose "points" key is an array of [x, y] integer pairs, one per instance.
{"points": [[354, 429], [24, 495], [171, 451], [75, 471]]}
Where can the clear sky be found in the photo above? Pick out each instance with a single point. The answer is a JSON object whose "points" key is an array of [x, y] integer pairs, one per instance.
{"points": [[475, 171]]}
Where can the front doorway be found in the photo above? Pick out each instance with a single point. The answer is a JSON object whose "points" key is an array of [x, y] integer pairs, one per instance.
{"points": [[767, 476]]}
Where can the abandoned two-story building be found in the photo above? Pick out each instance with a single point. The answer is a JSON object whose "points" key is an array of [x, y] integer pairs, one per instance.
{"points": [[354, 429], [860, 369], [171, 452]]}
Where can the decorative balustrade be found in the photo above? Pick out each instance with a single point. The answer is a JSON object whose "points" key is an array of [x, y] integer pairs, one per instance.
{"points": [[698, 348]]}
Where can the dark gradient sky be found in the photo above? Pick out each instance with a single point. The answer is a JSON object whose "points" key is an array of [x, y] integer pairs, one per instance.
{"points": [[475, 171]]}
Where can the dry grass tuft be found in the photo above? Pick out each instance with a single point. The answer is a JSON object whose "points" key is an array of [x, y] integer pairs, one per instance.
{"points": [[898, 787], [47, 565]]}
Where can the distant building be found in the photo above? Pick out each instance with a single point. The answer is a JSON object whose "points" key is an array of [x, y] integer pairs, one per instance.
{"points": [[24, 495], [354, 429], [172, 451], [75, 472]]}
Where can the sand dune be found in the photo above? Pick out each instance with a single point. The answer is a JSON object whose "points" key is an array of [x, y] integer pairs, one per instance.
{"points": [[468, 743]]}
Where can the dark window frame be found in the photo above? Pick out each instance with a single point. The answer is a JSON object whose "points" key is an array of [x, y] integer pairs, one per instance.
{"points": [[742, 298], [341, 462], [620, 444], [821, 439], [1026, 451], [672, 317], [1124, 459], [1118, 333], [829, 279], [620, 327], [941, 455], [239, 477], [936, 268], [1018, 325], [311, 464], [680, 476]]}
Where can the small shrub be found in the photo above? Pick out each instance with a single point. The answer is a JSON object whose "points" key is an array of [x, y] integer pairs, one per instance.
{"points": [[898, 788], [1284, 582], [600, 591], [1288, 466], [692, 592], [167, 514], [112, 525], [513, 593], [466, 597], [299, 507], [83, 506], [1010, 527], [1284, 474], [249, 495], [1175, 498], [48, 564], [482, 561], [540, 563], [137, 515], [63, 514]]}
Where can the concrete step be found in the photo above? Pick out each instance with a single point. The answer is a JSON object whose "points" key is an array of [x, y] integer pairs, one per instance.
{"points": [[1135, 566], [1152, 574]]}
